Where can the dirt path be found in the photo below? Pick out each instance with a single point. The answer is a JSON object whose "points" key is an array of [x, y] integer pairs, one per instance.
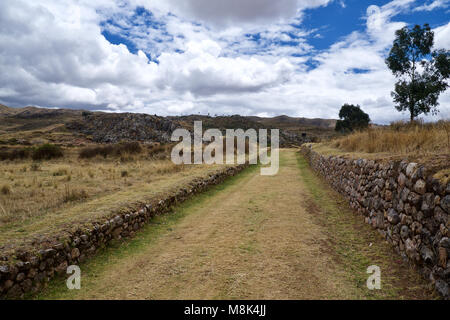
{"points": [[255, 239]]}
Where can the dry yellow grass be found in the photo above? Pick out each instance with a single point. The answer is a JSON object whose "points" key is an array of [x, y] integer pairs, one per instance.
{"points": [[31, 189], [399, 138], [39, 199], [425, 143]]}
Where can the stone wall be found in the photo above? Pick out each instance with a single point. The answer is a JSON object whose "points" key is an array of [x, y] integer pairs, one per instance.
{"points": [[29, 272], [407, 206]]}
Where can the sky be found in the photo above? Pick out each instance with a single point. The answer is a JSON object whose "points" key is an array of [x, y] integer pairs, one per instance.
{"points": [[302, 58]]}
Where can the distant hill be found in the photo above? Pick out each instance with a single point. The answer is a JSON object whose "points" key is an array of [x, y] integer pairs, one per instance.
{"points": [[65, 125], [6, 111], [34, 112], [286, 121]]}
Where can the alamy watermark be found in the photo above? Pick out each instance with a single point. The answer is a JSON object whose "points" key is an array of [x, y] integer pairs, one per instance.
{"points": [[374, 281], [74, 280], [234, 144]]}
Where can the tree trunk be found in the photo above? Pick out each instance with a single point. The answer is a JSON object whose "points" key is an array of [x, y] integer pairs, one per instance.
{"points": [[411, 112]]}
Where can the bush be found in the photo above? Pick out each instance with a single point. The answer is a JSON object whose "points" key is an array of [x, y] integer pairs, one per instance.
{"points": [[160, 151], [35, 166], [92, 152], [60, 172], [47, 152], [111, 150], [128, 148], [5, 190], [14, 154], [74, 195]]}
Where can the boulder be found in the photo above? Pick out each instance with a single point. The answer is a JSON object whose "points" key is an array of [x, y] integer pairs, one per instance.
{"points": [[445, 204], [393, 217], [442, 288], [427, 255], [411, 169], [75, 253], [15, 292], [401, 180], [404, 232], [420, 186]]}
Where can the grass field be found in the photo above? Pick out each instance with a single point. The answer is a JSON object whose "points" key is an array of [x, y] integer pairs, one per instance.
{"points": [[39, 198], [399, 138], [426, 143]]}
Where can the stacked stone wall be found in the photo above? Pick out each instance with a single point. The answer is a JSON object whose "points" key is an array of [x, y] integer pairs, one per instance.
{"points": [[401, 200]]}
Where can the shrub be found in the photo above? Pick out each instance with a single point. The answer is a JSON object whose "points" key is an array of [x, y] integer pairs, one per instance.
{"points": [[160, 151], [110, 150], [14, 154], [128, 148], [20, 154], [92, 152], [4, 155], [35, 166], [60, 172], [71, 195], [47, 152], [5, 190]]}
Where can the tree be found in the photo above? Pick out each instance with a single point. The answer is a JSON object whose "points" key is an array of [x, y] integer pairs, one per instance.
{"points": [[421, 72], [352, 118]]}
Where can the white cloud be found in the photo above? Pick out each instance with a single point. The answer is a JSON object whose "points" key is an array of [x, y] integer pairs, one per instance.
{"points": [[56, 56], [243, 12], [442, 36], [201, 71], [53, 54], [433, 5]]}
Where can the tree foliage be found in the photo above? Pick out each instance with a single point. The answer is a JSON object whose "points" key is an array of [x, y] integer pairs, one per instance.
{"points": [[352, 118], [421, 72]]}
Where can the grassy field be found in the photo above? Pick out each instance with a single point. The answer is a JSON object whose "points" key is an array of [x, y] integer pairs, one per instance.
{"points": [[38, 198], [399, 138]]}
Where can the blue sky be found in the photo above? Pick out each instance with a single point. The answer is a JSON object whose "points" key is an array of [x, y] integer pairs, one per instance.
{"points": [[339, 19], [252, 57]]}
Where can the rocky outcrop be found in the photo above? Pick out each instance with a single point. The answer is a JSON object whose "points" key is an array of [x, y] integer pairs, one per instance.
{"points": [[30, 271], [116, 127], [401, 200]]}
